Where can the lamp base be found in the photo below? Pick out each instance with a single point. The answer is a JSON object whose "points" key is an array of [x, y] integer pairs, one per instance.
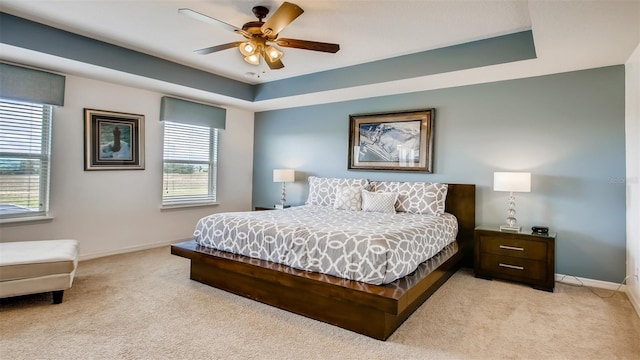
{"points": [[280, 206], [510, 228]]}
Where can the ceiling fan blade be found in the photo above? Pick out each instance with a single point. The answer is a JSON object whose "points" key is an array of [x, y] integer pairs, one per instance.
{"points": [[285, 14], [308, 45], [213, 49], [209, 20]]}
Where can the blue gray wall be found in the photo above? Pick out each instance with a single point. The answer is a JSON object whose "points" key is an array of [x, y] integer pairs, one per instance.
{"points": [[566, 129]]}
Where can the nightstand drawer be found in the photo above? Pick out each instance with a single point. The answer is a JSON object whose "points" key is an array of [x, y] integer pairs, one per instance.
{"points": [[513, 247], [513, 267]]}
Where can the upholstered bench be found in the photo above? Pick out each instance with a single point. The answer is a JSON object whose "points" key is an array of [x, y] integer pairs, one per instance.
{"points": [[31, 267]]}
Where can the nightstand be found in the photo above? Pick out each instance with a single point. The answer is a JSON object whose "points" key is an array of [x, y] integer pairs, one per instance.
{"points": [[261, 208], [524, 257]]}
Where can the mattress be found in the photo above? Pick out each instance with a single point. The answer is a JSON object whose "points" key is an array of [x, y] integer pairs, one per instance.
{"points": [[375, 248]]}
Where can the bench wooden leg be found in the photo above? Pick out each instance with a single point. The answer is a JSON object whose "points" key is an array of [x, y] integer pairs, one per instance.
{"points": [[57, 296]]}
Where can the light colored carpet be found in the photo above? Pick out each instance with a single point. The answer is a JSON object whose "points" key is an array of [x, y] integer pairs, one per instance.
{"points": [[143, 306]]}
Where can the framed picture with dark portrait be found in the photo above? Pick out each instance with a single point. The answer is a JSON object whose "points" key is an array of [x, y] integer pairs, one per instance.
{"points": [[113, 140]]}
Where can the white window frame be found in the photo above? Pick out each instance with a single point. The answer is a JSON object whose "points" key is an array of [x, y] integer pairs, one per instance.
{"points": [[200, 199], [20, 211]]}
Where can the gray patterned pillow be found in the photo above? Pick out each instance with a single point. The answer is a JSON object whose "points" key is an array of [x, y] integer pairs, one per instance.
{"points": [[322, 191], [416, 197], [348, 198], [379, 202]]}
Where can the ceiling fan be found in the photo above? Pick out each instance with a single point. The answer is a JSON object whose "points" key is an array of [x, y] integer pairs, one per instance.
{"points": [[260, 35]]}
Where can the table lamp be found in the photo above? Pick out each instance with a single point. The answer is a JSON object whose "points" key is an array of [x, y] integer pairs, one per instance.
{"points": [[511, 182], [283, 176]]}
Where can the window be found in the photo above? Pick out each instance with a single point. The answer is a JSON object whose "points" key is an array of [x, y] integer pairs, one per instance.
{"points": [[25, 144], [190, 159]]}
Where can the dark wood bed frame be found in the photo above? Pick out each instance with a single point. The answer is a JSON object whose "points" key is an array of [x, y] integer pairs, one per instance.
{"points": [[372, 310]]}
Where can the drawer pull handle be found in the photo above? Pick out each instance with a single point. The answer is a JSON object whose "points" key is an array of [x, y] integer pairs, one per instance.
{"points": [[512, 266], [506, 247]]}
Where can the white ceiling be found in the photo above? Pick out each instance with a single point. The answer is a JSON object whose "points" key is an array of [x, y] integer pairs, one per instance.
{"points": [[569, 35]]}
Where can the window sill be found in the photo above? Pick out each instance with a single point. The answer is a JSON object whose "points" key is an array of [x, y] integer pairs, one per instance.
{"points": [[21, 220], [186, 206]]}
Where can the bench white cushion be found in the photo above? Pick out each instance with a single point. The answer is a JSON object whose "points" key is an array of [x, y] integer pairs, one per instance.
{"points": [[28, 267]]}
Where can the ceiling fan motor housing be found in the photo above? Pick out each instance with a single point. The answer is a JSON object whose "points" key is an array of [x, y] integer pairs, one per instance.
{"points": [[253, 27]]}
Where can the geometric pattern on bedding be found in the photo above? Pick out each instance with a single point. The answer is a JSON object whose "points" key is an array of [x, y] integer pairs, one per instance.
{"points": [[415, 197], [322, 191], [374, 248], [379, 202], [348, 198]]}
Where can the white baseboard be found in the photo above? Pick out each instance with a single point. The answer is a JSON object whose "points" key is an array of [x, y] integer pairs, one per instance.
{"points": [[127, 250], [633, 298], [575, 280], [634, 301]]}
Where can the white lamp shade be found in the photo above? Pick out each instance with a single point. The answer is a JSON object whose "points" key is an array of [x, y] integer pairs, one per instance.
{"points": [[284, 175], [512, 181]]}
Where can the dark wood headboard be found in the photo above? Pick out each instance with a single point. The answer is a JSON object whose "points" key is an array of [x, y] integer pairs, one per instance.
{"points": [[461, 202]]}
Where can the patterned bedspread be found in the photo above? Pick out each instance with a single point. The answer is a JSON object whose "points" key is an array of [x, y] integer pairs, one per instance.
{"points": [[371, 247]]}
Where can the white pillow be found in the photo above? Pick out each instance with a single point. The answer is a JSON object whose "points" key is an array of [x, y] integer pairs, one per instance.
{"points": [[379, 202], [348, 198], [322, 191]]}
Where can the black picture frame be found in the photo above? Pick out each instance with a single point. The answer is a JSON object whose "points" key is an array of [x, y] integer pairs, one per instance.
{"points": [[113, 140]]}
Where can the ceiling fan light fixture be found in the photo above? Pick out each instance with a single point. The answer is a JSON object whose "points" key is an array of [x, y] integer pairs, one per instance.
{"points": [[253, 59], [247, 48], [273, 53]]}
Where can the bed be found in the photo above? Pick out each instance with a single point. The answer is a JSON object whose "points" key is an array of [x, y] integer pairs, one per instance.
{"points": [[366, 308]]}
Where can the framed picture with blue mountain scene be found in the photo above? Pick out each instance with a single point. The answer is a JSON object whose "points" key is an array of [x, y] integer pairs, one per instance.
{"points": [[113, 140], [398, 141]]}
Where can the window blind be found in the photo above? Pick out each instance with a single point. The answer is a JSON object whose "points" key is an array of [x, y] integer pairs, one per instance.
{"points": [[25, 147], [190, 156]]}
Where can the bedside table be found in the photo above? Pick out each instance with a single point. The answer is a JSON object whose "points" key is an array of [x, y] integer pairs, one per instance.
{"points": [[524, 257], [261, 208]]}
